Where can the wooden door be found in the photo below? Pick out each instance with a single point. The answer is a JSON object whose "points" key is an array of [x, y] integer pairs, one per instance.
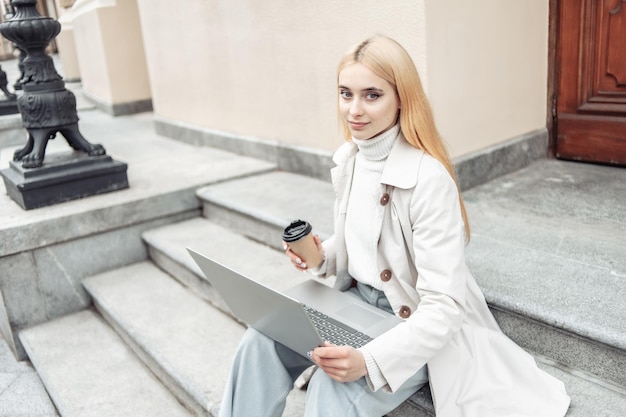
{"points": [[590, 111]]}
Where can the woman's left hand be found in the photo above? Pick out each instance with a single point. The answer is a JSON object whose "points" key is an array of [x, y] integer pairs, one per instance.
{"points": [[341, 363]]}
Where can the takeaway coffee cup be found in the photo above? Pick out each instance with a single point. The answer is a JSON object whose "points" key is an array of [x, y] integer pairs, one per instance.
{"points": [[300, 240]]}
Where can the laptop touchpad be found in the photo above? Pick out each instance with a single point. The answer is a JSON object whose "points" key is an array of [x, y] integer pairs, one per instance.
{"points": [[360, 315]]}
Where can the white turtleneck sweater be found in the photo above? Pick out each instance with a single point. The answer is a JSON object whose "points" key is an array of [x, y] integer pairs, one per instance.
{"points": [[361, 237]]}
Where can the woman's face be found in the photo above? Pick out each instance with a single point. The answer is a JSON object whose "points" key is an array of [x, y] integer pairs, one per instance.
{"points": [[368, 103]]}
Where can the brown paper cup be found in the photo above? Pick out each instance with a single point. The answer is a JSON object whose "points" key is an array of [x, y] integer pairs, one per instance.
{"points": [[298, 235]]}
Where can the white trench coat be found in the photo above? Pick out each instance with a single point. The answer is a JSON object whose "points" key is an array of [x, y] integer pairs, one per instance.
{"points": [[474, 369]]}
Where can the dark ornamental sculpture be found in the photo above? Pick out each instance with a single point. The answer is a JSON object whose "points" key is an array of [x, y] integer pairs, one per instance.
{"points": [[4, 82], [20, 66], [47, 109], [8, 106]]}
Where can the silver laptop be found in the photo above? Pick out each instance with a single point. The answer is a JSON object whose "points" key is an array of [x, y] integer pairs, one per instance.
{"points": [[304, 316]]}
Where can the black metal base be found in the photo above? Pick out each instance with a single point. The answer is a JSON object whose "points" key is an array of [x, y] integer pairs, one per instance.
{"points": [[63, 177], [8, 107]]}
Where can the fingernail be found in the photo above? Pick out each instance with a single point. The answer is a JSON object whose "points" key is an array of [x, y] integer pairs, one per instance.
{"points": [[303, 265], [284, 246], [298, 261]]}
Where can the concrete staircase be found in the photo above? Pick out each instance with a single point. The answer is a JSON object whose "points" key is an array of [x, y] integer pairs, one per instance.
{"points": [[547, 249]]}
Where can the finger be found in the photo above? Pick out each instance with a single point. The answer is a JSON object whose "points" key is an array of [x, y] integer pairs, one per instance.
{"points": [[298, 262], [339, 375], [318, 243], [336, 374], [300, 266], [288, 251], [295, 259], [331, 352], [331, 366]]}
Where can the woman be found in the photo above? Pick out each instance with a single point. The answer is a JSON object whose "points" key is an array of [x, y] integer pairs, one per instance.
{"points": [[399, 243]]}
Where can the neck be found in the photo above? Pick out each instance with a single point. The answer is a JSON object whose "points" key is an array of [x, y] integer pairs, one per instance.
{"points": [[378, 147]]}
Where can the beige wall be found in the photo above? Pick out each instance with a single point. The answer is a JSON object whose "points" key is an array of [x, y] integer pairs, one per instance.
{"points": [[487, 69], [267, 69], [110, 51], [65, 44], [91, 59], [67, 53], [264, 69]]}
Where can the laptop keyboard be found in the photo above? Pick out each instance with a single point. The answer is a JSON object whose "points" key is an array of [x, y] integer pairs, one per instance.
{"points": [[335, 332]]}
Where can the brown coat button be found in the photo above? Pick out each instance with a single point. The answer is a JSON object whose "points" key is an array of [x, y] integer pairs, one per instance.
{"points": [[385, 275], [405, 312], [384, 199]]}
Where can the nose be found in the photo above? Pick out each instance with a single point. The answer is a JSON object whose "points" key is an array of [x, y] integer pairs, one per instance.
{"points": [[356, 108]]}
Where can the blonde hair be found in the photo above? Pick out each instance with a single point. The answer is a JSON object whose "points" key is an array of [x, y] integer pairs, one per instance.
{"points": [[389, 60]]}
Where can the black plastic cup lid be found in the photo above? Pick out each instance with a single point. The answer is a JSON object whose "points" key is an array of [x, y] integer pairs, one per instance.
{"points": [[296, 230]]}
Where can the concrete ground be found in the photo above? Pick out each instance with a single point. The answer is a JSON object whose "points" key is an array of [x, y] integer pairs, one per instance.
{"points": [[22, 393]]}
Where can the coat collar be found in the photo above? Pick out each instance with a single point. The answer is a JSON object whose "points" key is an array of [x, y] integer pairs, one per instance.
{"points": [[402, 165], [344, 152], [400, 168]]}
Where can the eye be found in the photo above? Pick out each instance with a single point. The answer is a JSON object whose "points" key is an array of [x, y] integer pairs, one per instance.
{"points": [[372, 96], [345, 94]]}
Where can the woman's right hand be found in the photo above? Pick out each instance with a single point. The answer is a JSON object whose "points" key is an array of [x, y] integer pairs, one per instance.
{"points": [[299, 263]]}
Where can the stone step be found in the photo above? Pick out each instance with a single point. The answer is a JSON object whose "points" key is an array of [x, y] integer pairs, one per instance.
{"points": [[187, 343], [549, 252], [589, 397], [21, 391], [539, 291], [261, 206], [89, 371], [167, 248]]}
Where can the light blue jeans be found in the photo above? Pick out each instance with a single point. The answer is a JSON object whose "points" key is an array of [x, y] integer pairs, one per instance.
{"points": [[264, 371]]}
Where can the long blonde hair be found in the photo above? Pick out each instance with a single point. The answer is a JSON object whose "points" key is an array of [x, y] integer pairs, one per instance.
{"points": [[389, 60]]}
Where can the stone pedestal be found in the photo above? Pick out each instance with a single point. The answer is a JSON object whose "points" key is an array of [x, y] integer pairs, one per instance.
{"points": [[64, 176], [8, 107], [47, 109]]}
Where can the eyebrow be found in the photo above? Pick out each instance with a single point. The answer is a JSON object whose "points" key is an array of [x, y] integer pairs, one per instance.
{"points": [[368, 89]]}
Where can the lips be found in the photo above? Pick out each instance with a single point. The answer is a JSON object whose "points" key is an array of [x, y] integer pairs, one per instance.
{"points": [[357, 125]]}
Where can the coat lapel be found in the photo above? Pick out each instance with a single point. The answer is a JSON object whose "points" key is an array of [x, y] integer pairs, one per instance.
{"points": [[342, 181], [342, 174], [402, 165]]}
